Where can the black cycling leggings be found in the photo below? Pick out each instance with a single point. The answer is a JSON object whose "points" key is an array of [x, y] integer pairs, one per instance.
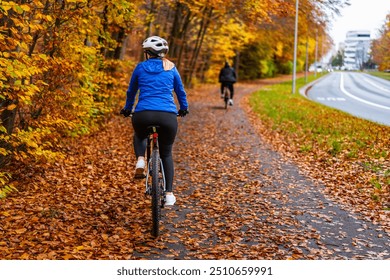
{"points": [[166, 137], [229, 86]]}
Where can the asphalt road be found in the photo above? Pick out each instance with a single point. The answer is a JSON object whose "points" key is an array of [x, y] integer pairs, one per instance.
{"points": [[358, 94]]}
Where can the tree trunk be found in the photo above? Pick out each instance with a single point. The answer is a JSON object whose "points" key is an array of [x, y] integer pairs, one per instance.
{"points": [[150, 18], [8, 121], [199, 41]]}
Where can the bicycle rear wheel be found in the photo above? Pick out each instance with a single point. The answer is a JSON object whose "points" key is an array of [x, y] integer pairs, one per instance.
{"points": [[156, 195]]}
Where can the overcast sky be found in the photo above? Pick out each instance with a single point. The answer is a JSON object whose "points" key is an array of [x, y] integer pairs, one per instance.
{"points": [[360, 15]]}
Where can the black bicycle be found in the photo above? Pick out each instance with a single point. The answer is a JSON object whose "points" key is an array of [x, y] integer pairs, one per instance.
{"points": [[155, 178], [155, 184]]}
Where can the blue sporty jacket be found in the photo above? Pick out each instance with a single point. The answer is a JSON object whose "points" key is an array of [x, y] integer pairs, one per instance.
{"points": [[155, 85]]}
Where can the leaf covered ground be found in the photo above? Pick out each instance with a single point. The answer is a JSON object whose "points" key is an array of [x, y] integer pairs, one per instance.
{"points": [[237, 198]]}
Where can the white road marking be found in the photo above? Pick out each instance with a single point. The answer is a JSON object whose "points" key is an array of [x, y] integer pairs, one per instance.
{"points": [[357, 98], [376, 85], [331, 98]]}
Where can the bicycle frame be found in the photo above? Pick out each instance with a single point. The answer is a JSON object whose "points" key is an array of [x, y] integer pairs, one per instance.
{"points": [[152, 144]]}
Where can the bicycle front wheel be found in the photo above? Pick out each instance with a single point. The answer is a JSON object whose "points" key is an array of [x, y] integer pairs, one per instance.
{"points": [[156, 199]]}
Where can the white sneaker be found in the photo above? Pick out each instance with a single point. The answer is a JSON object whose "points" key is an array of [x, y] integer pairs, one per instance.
{"points": [[170, 200], [140, 168], [231, 102]]}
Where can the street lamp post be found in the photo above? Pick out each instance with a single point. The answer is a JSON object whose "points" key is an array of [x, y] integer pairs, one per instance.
{"points": [[295, 46]]}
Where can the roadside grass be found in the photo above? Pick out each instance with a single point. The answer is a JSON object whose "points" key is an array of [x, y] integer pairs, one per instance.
{"points": [[337, 148], [382, 75]]}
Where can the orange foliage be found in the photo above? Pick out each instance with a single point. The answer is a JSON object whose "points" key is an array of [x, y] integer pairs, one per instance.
{"points": [[381, 47]]}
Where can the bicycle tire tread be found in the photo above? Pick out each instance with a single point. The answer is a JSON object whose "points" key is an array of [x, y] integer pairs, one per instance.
{"points": [[156, 207]]}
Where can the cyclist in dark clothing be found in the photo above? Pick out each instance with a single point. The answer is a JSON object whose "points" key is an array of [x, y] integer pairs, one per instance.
{"points": [[155, 79], [227, 77]]}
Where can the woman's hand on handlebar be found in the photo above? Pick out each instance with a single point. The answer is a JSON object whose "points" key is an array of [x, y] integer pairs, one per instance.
{"points": [[126, 112], [182, 113]]}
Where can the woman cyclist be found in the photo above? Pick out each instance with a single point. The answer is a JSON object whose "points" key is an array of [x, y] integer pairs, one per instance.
{"points": [[156, 78]]}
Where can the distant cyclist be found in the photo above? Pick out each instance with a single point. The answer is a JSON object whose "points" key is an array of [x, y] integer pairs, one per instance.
{"points": [[227, 78], [156, 78]]}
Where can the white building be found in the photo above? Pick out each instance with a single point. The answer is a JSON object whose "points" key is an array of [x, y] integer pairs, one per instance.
{"points": [[356, 49]]}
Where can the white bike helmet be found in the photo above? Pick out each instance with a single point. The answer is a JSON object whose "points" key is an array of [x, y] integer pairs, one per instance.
{"points": [[155, 46]]}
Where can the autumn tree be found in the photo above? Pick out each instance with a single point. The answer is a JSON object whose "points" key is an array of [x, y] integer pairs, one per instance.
{"points": [[381, 47], [271, 52], [57, 77]]}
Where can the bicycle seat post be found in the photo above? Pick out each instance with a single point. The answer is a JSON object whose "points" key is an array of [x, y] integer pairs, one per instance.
{"points": [[152, 130]]}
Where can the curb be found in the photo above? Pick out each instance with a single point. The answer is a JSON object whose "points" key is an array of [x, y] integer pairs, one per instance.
{"points": [[303, 90]]}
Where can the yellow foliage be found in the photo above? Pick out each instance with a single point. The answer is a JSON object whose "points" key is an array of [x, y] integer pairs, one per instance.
{"points": [[53, 68], [279, 49], [225, 45]]}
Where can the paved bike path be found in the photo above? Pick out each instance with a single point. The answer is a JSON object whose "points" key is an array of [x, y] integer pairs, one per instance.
{"points": [[239, 199]]}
